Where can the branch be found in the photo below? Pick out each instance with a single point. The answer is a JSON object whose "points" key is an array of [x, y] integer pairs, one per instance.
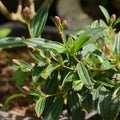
{"points": [[5, 11], [12, 16], [32, 7]]}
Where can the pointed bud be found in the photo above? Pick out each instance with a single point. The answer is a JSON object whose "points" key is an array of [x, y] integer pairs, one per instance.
{"points": [[30, 47], [64, 23], [23, 38], [60, 33], [113, 18], [15, 61], [32, 64], [57, 19], [107, 48], [26, 11], [26, 88]]}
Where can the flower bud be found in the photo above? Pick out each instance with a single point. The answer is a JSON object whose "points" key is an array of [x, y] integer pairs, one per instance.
{"points": [[26, 88], [32, 64], [60, 33], [30, 47], [15, 61], [57, 19], [107, 48], [113, 18], [23, 38], [26, 11], [64, 23]]}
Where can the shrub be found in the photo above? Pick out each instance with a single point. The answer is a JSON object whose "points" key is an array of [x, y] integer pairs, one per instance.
{"points": [[81, 72]]}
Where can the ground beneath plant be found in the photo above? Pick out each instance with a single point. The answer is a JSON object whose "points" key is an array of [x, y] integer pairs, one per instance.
{"points": [[19, 106]]}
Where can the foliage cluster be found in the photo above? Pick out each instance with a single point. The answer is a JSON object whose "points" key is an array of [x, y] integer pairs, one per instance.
{"points": [[82, 72]]}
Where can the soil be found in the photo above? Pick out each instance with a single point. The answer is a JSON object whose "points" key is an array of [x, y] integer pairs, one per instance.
{"points": [[19, 106]]}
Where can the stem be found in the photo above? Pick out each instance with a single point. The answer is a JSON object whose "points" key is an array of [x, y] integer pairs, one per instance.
{"points": [[63, 39], [76, 58], [28, 25], [73, 69], [32, 7]]}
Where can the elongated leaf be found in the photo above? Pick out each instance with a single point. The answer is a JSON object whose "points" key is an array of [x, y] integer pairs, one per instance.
{"points": [[51, 83], [50, 88], [36, 73], [107, 106], [35, 55], [95, 33], [77, 85], [116, 22], [106, 82], [105, 13], [10, 42], [45, 44], [80, 42], [55, 109], [74, 106], [4, 32], [40, 105], [106, 65], [24, 66], [39, 21], [88, 48], [19, 78], [84, 75], [95, 24], [49, 69], [56, 56], [87, 102], [116, 48], [72, 77], [11, 98]]}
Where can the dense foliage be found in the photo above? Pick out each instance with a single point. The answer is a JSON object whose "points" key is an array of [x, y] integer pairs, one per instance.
{"points": [[82, 72]]}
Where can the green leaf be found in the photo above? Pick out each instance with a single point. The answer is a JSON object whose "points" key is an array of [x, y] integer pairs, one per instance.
{"points": [[80, 42], [95, 24], [55, 109], [105, 13], [71, 44], [24, 66], [40, 105], [45, 44], [4, 32], [35, 55], [36, 73], [84, 75], [87, 101], [116, 48], [89, 48], [74, 106], [7, 101], [77, 85], [10, 42], [49, 69], [56, 56], [39, 21], [116, 22], [51, 83], [72, 77], [107, 105], [95, 33], [106, 65], [106, 82], [19, 78]]}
